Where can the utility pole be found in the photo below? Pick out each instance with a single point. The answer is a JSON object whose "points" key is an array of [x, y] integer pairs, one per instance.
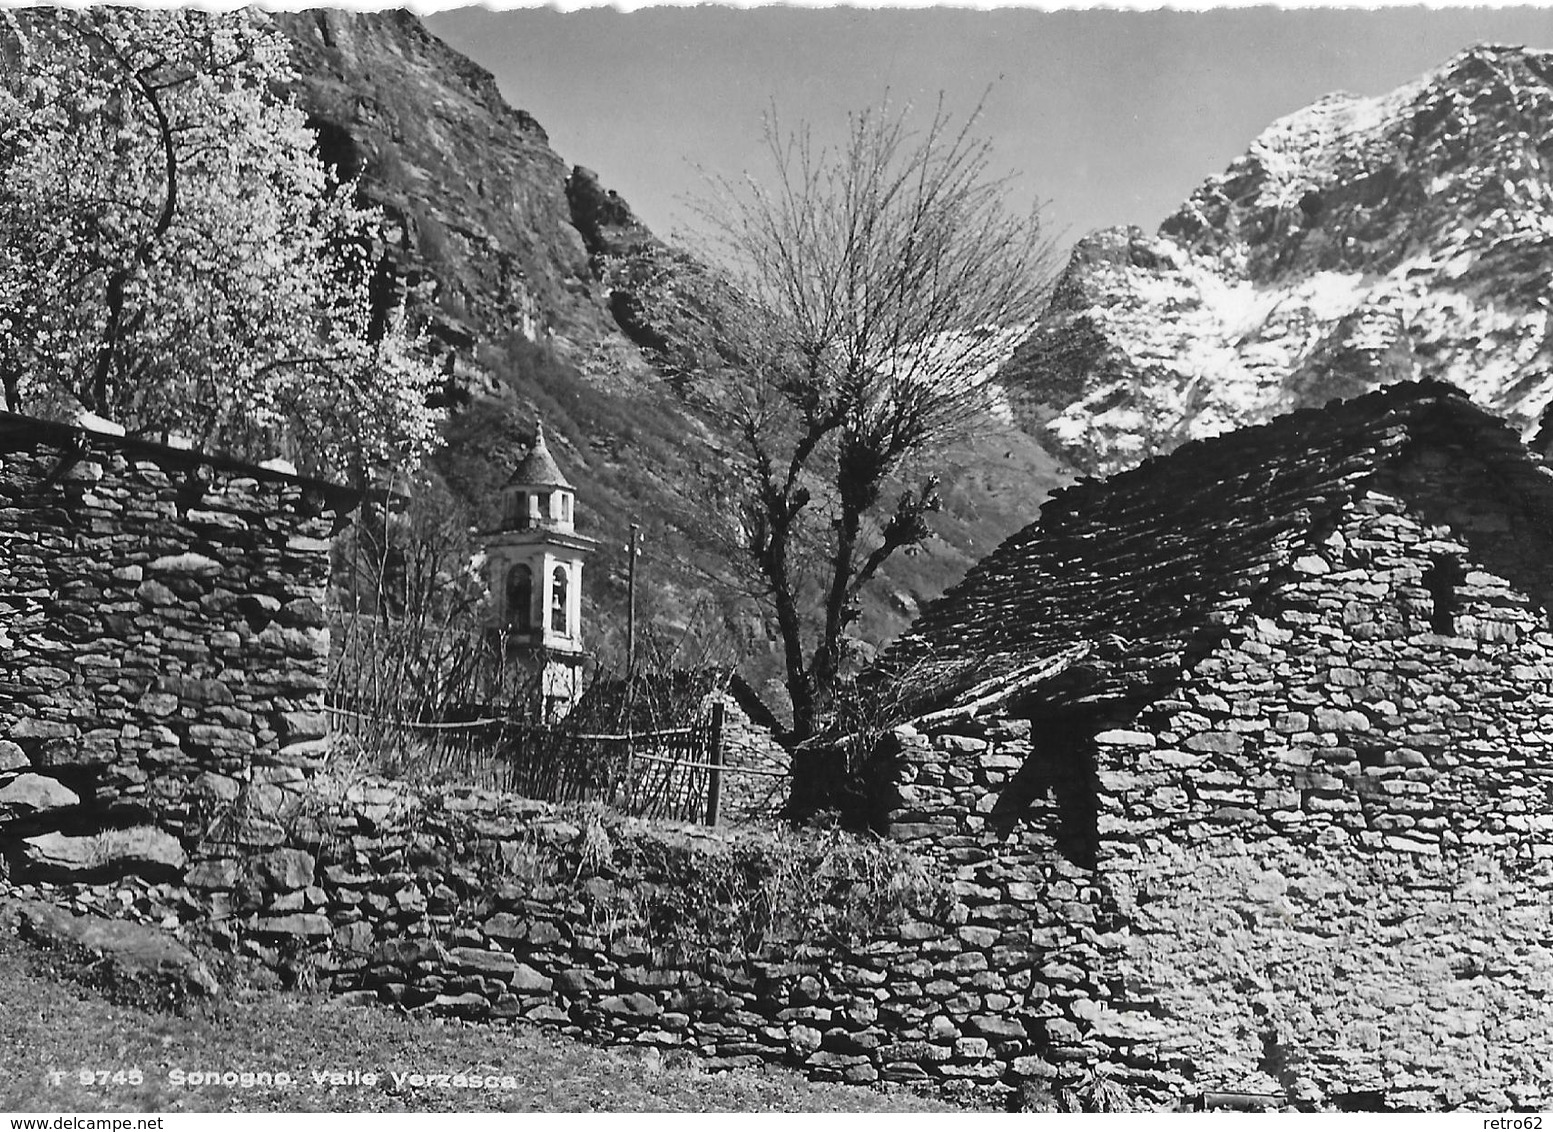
{"points": [[631, 605]]}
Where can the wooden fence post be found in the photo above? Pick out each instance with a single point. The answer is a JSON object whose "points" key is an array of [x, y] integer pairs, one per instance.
{"points": [[628, 800], [714, 786]]}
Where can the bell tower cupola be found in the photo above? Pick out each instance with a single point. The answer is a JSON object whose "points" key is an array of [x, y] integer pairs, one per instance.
{"points": [[538, 496]]}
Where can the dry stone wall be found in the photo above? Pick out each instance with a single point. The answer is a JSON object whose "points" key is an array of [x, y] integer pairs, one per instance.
{"points": [[1333, 838], [750, 746], [162, 651], [855, 961], [998, 804]]}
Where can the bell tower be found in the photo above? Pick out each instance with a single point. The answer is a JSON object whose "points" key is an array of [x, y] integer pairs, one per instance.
{"points": [[534, 559]]}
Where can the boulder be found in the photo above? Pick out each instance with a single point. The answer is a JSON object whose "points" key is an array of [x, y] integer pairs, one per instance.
{"points": [[216, 787], [33, 793], [45, 674], [281, 870], [296, 726], [43, 729], [997, 1028], [218, 738], [195, 691], [354, 938], [970, 1047], [407, 952], [309, 925], [157, 703], [526, 980], [302, 611], [309, 753], [479, 961], [214, 873], [630, 1006], [96, 748], [577, 982], [223, 519], [12, 757], [287, 902], [804, 1040], [468, 1005], [375, 801], [506, 927], [154, 593], [541, 933], [144, 851], [410, 899], [132, 963], [187, 563]]}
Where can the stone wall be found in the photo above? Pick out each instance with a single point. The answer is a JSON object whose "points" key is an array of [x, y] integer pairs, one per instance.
{"points": [[855, 960], [751, 746], [162, 655], [1008, 814], [1334, 836]]}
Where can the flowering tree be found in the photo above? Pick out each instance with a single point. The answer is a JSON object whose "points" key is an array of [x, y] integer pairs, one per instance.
{"points": [[173, 254]]}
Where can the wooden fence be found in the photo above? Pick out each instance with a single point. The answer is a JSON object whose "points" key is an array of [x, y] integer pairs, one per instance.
{"points": [[674, 773], [433, 703]]}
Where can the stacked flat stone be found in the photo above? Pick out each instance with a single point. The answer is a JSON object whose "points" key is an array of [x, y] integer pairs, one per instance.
{"points": [[162, 651], [750, 744], [1158, 559], [433, 903]]}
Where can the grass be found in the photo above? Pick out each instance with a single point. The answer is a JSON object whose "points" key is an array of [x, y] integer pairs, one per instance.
{"points": [[55, 1025], [723, 897]]}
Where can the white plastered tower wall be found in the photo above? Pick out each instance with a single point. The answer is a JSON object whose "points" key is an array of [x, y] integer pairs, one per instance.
{"points": [[534, 562]]}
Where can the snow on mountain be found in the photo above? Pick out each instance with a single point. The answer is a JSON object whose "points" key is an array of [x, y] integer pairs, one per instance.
{"points": [[1356, 243]]}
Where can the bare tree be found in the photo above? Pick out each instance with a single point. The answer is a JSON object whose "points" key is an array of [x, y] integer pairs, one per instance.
{"points": [[867, 295]]}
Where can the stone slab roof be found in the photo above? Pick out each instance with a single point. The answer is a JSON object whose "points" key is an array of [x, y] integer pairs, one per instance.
{"points": [[538, 468], [1123, 581]]}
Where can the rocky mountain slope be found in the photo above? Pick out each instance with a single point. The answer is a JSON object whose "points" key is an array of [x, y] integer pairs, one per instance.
{"points": [[504, 246], [481, 221], [1358, 242]]}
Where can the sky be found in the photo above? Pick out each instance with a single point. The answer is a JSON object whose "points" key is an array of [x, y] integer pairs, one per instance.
{"points": [[1106, 117]]}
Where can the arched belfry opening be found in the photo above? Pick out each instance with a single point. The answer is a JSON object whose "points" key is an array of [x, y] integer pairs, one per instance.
{"points": [[559, 621], [534, 562]]}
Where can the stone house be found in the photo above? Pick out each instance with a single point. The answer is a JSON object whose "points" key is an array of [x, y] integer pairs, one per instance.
{"points": [[162, 648], [1253, 745]]}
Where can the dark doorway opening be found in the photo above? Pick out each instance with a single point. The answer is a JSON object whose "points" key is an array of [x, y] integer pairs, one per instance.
{"points": [[1057, 788], [1441, 580]]}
